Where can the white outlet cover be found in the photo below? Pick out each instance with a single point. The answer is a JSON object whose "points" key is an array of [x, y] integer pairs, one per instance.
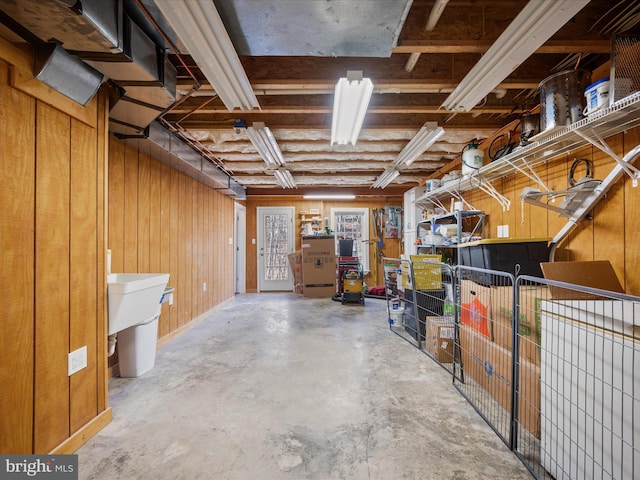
{"points": [[77, 360], [505, 231]]}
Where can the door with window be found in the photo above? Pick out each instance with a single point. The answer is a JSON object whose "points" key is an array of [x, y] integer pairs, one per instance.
{"points": [[353, 223], [275, 242]]}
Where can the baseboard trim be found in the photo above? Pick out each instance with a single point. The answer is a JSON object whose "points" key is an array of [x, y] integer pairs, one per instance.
{"points": [[82, 436], [188, 326]]}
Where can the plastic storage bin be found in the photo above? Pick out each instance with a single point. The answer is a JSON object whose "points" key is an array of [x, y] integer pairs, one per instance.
{"points": [[137, 348], [504, 254]]}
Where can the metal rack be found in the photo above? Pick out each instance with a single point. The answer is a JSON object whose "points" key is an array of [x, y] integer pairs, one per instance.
{"points": [[458, 216], [621, 116]]}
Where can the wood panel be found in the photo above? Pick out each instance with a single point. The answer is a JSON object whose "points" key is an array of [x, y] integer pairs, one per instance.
{"points": [[83, 273], [188, 249], [609, 213], [116, 204], [102, 176], [130, 212], [144, 177], [155, 217], [17, 197], [164, 326], [174, 251], [632, 222], [51, 409]]}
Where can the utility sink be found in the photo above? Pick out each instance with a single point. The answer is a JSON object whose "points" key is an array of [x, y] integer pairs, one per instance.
{"points": [[134, 298]]}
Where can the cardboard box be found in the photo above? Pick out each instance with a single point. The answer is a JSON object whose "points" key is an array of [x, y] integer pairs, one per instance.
{"points": [[318, 265], [474, 349], [489, 365], [596, 274], [295, 263], [440, 336], [502, 319], [475, 306]]}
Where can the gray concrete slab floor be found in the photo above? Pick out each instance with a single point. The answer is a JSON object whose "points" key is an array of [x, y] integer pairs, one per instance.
{"points": [[279, 386]]}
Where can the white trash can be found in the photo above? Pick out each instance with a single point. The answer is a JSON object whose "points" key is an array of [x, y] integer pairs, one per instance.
{"points": [[137, 347]]}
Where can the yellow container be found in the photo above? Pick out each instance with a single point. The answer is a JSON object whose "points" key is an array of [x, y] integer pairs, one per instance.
{"points": [[427, 276]]}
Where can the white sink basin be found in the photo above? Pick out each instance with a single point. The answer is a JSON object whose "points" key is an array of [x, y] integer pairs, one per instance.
{"points": [[134, 298]]}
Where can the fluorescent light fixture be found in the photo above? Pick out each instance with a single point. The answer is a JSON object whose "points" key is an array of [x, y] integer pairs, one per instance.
{"points": [[284, 178], [200, 28], [350, 104], [425, 138], [386, 177], [265, 144], [533, 26], [329, 196]]}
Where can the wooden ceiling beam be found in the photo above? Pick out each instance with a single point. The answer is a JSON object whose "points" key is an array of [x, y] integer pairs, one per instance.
{"points": [[481, 46], [327, 110]]}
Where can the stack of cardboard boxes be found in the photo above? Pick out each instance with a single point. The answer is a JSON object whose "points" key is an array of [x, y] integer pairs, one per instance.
{"points": [[314, 267]]}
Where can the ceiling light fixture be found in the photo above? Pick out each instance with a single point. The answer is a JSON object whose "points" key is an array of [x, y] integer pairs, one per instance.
{"points": [[425, 138], [350, 103], [200, 28], [533, 26], [329, 196], [265, 144], [386, 177], [284, 178]]}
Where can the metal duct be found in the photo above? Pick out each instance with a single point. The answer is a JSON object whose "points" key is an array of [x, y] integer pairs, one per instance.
{"points": [[170, 149]]}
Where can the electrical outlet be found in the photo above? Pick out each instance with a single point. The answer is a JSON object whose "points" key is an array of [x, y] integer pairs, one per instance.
{"points": [[204, 286], [77, 360], [505, 231]]}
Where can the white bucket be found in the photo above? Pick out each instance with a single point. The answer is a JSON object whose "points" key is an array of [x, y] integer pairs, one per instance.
{"points": [[597, 95], [396, 317]]}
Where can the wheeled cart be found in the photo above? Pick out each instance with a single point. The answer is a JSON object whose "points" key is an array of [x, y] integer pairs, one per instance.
{"points": [[353, 287]]}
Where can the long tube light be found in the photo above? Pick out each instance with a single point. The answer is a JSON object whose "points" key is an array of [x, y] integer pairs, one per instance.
{"points": [[533, 26], [284, 178], [386, 177], [265, 144], [200, 28], [329, 196], [425, 138], [350, 104]]}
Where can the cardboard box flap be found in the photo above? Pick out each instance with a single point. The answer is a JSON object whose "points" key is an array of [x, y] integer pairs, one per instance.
{"points": [[595, 274]]}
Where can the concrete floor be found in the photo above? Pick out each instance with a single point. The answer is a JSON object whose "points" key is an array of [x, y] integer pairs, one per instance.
{"points": [[279, 386]]}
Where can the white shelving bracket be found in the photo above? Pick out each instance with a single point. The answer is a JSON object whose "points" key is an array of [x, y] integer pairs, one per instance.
{"points": [[490, 190], [530, 174], [598, 142]]}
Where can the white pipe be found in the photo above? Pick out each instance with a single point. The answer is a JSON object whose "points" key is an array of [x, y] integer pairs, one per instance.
{"points": [[435, 13]]}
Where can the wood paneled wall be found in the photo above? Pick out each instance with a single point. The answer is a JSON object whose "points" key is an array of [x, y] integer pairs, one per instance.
{"points": [[161, 220], [391, 248], [611, 233], [52, 229]]}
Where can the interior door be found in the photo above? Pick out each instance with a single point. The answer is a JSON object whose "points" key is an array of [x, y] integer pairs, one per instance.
{"points": [[275, 242], [240, 248]]}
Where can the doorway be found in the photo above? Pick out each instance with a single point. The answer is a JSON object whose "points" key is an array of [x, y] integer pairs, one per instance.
{"points": [[275, 242], [240, 249]]}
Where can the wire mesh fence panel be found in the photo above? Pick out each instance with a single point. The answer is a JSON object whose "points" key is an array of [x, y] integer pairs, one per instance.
{"points": [[578, 396], [434, 290], [401, 303], [483, 368]]}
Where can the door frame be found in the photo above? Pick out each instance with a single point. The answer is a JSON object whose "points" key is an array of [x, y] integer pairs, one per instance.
{"points": [[260, 244], [240, 248]]}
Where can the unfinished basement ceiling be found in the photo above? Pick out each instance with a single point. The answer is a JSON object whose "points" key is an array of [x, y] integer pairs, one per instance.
{"points": [[293, 52]]}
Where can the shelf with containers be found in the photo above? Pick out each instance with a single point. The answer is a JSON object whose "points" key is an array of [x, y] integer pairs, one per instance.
{"points": [[311, 222], [448, 231], [594, 129]]}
